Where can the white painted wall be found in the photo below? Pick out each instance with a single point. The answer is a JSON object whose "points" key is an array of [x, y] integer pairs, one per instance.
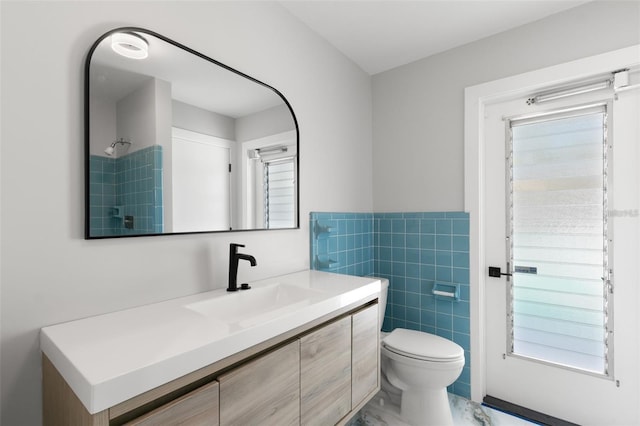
{"points": [[103, 131], [418, 109], [142, 117], [269, 122], [163, 116], [200, 120], [136, 119], [49, 273]]}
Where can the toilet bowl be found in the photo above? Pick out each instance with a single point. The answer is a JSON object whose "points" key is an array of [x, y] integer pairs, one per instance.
{"points": [[418, 367]]}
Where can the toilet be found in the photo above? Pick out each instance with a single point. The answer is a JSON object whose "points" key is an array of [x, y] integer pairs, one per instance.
{"points": [[416, 369]]}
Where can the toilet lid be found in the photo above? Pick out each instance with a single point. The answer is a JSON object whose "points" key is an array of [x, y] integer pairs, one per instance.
{"points": [[417, 344]]}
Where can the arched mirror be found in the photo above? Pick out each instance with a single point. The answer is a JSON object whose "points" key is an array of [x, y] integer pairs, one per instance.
{"points": [[177, 142]]}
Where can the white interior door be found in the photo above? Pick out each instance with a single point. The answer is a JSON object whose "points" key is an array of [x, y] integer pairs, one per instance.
{"points": [[541, 352]]}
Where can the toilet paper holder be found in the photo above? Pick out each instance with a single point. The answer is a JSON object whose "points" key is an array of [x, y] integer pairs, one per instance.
{"points": [[448, 291]]}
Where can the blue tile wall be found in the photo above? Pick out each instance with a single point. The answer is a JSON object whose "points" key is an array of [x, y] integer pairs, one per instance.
{"points": [[342, 242], [132, 182], [414, 251]]}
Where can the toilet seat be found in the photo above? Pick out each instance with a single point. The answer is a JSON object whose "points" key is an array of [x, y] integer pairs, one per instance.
{"points": [[422, 346]]}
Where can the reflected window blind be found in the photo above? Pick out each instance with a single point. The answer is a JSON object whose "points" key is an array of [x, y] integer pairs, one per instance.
{"points": [[558, 245], [279, 193]]}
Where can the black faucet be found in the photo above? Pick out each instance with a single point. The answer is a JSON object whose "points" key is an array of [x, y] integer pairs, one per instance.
{"points": [[234, 258]]}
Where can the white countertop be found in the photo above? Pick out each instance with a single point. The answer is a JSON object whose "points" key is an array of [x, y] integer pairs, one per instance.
{"points": [[110, 358]]}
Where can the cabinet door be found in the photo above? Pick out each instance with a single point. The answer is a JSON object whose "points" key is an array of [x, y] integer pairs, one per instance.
{"points": [[265, 391], [197, 408], [365, 353], [325, 374]]}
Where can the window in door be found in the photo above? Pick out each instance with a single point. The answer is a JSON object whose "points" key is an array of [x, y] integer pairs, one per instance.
{"points": [[558, 231]]}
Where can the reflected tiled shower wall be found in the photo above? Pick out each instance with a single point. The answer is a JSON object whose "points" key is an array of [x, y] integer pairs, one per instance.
{"points": [[414, 251], [102, 181], [127, 186]]}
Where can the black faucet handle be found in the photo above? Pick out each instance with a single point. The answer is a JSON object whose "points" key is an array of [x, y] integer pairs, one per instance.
{"points": [[234, 247]]}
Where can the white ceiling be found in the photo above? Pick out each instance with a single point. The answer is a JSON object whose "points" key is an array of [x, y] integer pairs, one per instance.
{"points": [[384, 34]]}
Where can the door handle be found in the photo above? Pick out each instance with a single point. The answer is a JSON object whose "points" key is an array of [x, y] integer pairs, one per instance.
{"points": [[494, 271]]}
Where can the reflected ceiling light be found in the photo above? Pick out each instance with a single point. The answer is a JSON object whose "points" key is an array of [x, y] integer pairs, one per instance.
{"points": [[130, 45]]}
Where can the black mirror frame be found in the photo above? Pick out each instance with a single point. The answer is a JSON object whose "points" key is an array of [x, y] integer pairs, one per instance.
{"points": [[87, 135]]}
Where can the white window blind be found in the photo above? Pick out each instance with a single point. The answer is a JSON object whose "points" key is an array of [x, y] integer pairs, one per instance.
{"points": [[279, 193], [557, 167]]}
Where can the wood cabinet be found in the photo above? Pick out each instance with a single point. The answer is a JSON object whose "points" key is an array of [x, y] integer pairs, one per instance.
{"points": [[366, 354], [60, 405], [325, 374], [265, 391], [320, 374], [197, 408]]}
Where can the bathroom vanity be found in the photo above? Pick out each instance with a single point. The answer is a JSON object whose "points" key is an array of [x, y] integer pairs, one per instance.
{"points": [[296, 349]]}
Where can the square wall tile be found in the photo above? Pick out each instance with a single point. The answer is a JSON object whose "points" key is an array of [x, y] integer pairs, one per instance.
{"points": [[412, 250]]}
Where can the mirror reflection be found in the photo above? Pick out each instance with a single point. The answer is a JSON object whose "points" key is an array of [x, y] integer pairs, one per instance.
{"points": [[179, 143]]}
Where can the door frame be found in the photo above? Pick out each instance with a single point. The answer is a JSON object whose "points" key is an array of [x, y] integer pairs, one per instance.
{"points": [[476, 97]]}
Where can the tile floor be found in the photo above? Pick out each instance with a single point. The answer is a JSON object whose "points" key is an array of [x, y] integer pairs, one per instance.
{"points": [[380, 411]]}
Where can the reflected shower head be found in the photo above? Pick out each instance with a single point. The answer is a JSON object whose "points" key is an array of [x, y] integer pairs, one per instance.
{"points": [[111, 149]]}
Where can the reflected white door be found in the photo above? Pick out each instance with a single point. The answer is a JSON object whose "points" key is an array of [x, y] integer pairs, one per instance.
{"points": [[200, 184], [552, 193]]}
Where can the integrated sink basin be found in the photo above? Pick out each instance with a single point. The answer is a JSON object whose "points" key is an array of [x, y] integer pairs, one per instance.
{"points": [[110, 358], [246, 308]]}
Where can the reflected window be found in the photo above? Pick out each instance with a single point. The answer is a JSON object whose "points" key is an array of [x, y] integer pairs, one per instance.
{"points": [[279, 193]]}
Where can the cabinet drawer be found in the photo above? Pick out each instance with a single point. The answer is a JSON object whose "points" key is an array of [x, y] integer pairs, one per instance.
{"points": [[365, 353], [265, 391], [197, 408], [325, 374]]}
